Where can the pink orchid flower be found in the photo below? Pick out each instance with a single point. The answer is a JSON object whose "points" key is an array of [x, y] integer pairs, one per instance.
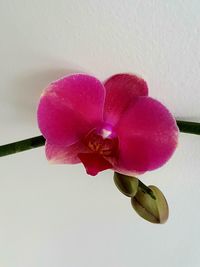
{"points": [[110, 125]]}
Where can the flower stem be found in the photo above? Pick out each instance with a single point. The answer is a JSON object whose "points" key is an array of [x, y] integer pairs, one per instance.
{"points": [[22, 145], [184, 126], [189, 127]]}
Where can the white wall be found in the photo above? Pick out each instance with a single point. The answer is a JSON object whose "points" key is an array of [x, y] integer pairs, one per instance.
{"points": [[57, 216]]}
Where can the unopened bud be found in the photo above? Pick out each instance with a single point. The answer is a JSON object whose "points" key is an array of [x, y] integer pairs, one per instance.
{"points": [[127, 185], [153, 210]]}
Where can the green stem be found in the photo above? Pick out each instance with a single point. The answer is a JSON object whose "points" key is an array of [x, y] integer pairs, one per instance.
{"points": [[22, 145], [189, 127], [184, 126]]}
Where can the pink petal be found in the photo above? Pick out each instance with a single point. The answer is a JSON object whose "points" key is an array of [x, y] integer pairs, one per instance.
{"points": [[94, 163], [59, 124], [120, 90], [70, 107], [148, 136], [65, 154]]}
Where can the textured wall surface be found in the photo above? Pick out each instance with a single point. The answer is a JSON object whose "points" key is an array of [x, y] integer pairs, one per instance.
{"points": [[57, 216]]}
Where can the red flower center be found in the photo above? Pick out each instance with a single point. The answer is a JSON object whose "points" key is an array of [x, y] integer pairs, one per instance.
{"points": [[102, 141], [103, 144]]}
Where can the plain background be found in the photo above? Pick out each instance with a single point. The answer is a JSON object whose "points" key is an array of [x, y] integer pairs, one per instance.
{"points": [[57, 216]]}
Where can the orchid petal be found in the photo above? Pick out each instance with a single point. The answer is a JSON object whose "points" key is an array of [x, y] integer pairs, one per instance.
{"points": [[59, 154], [147, 135], [120, 90], [70, 107]]}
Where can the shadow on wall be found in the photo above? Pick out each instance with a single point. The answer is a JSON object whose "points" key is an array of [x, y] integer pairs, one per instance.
{"points": [[29, 87]]}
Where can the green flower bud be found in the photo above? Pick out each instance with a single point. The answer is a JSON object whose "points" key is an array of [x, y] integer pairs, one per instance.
{"points": [[126, 184], [152, 210]]}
